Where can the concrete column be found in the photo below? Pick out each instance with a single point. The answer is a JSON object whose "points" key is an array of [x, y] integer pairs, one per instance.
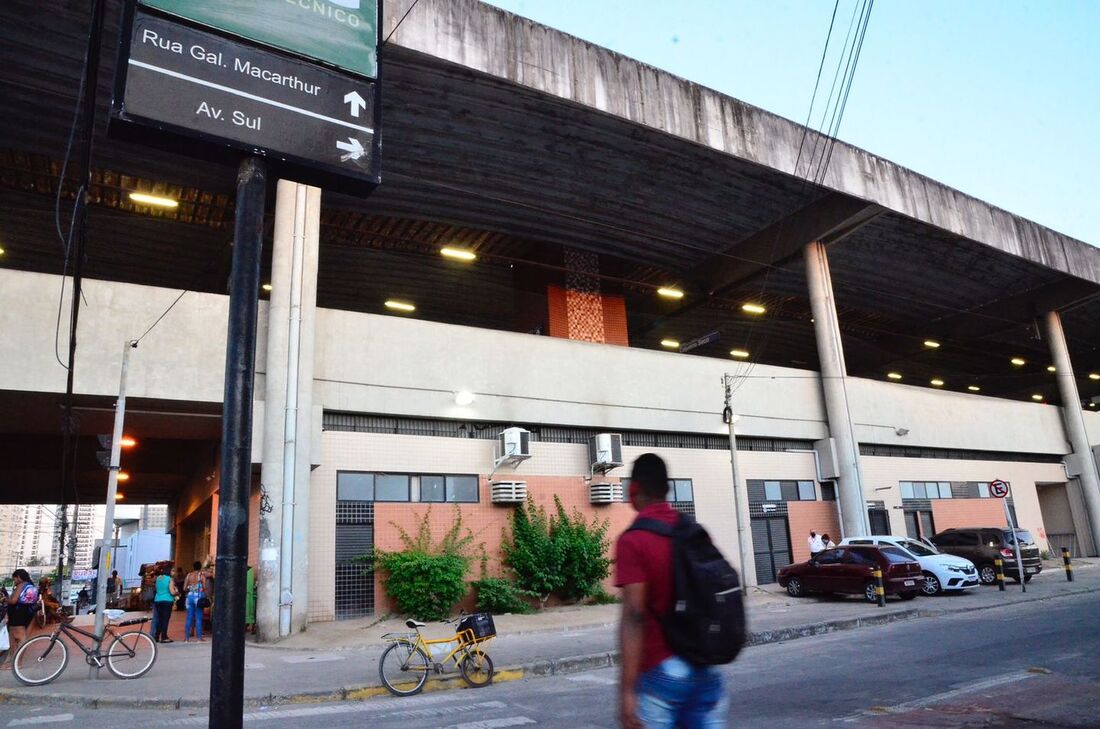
{"points": [[834, 373], [282, 578], [1074, 420]]}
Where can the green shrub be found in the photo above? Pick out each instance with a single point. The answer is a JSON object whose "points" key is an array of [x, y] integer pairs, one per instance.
{"points": [[531, 552], [603, 597], [559, 554], [497, 595], [583, 546], [426, 579]]}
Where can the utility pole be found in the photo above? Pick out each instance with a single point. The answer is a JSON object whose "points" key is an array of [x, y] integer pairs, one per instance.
{"points": [[740, 500], [112, 490]]}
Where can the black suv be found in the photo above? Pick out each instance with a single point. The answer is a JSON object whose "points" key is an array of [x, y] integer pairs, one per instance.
{"points": [[981, 545]]}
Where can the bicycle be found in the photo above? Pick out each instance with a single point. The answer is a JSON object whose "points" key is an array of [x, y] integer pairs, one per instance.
{"points": [[405, 664], [130, 655]]}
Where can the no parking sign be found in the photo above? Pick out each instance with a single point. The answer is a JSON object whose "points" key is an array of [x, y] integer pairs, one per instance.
{"points": [[999, 489]]}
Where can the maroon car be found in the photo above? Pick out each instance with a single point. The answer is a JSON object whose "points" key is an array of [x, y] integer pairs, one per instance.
{"points": [[848, 570]]}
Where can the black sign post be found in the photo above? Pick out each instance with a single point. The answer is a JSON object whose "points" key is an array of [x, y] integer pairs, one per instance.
{"points": [[218, 96]]}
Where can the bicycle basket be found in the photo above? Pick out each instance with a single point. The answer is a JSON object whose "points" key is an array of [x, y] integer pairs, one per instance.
{"points": [[480, 625]]}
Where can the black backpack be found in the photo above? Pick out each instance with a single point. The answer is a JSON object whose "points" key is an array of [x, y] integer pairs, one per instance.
{"points": [[706, 624]]}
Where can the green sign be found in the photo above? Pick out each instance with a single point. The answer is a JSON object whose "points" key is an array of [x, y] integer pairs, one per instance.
{"points": [[343, 33]]}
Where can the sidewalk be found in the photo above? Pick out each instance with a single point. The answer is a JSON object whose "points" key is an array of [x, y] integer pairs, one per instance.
{"points": [[339, 660]]}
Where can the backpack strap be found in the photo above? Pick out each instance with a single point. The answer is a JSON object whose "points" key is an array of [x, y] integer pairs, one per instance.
{"points": [[652, 525]]}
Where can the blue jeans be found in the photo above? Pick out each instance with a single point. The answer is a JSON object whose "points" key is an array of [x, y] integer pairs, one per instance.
{"points": [[193, 624], [678, 695]]}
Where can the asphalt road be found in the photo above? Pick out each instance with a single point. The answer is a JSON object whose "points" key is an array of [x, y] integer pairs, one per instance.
{"points": [[1033, 665]]}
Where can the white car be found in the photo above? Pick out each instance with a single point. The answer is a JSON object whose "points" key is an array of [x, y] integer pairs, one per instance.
{"points": [[942, 572]]}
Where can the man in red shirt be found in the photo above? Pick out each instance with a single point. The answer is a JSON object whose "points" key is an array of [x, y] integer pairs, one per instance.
{"points": [[658, 689]]}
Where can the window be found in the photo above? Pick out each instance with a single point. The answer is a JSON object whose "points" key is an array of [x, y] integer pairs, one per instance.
{"points": [[925, 489], [830, 556], [861, 557], [806, 491], [983, 490], [391, 487], [355, 487], [681, 490], [907, 490], [462, 489], [896, 555], [992, 537], [773, 491], [828, 491], [433, 489]]}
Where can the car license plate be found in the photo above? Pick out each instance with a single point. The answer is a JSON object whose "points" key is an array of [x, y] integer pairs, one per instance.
{"points": [[1029, 571], [910, 583]]}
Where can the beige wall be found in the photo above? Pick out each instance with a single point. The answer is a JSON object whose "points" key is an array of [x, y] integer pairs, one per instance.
{"points": [[885, 473]]}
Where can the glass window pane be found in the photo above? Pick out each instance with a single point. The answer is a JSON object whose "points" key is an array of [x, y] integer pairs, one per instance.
{"points": [[355, 487], [806, 491], [432, 488], [789, 489], [919, 491], [906, 490], [828, 492], [772, 491], [462, 489], [945, 490], [983, 490], [391, 488]]}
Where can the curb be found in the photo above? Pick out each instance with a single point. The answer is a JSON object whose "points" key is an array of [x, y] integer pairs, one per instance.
{"points": [[536, 669]]}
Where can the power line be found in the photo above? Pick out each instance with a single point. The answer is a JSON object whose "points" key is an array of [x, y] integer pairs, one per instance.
{"points": [[390, 34]]}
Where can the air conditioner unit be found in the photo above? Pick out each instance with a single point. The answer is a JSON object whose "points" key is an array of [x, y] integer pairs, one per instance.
{"points": [[605, 493], [513, 446], [508, 492], [605, 452]]}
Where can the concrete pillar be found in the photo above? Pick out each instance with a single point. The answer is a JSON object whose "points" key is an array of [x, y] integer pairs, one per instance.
{"points": [[1074, 421], [282, 578], [834, 373]]}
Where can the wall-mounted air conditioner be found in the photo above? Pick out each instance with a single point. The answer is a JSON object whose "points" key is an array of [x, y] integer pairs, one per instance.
{"points": [[508, 492], [605, 493], [513, 446], [605, 452]]}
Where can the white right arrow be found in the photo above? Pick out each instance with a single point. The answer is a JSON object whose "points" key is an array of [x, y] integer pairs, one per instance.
{"points": [[353, 148], [357, 102]]}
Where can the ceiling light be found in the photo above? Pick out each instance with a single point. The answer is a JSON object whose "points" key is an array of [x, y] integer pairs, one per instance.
{"points": [[127, 442], [1052, 368], [894, 375], [1, 251], [751, 308], [937, 382], [974, 388], [1094, 376], [931, 344], [670, 293], [464, 398], [1036, 396], [154, 200], [459, 254], [1018, 361], [123, 476], [670, 343], [739, 353], [1092, 404], [119, 496], [399, 305], [267, 287]]}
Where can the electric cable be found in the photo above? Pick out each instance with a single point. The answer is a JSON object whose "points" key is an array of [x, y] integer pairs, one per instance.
{"points": [[390, 34]]}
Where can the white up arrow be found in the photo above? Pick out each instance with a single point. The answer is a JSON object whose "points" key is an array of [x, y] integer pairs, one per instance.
{"points": [[353, 149], [357, 102]]}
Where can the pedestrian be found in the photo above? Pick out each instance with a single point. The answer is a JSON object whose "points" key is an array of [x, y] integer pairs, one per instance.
{"points": [[826, 542], [21, 605], [181, 594], [82, 600], [658, 688], [816, 545], [114, 588], [195, 586], [164, 596]]}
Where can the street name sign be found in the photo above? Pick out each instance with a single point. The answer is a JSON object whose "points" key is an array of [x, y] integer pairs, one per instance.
{"points": [[700, 341], [318, 124], [343, 33]]}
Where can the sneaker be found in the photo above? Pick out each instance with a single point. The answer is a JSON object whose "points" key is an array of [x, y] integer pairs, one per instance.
{"points": [[167, 640]]}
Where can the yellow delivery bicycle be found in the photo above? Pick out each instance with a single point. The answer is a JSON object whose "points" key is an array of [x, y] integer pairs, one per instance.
{"points": [[406, 662]]}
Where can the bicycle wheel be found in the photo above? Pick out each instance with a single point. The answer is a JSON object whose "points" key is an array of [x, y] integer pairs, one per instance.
{"points": [[477, 668], [131, 655], [404, 668], [40, 660]]}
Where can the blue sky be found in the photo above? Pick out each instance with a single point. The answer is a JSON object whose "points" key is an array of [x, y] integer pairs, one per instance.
{"points": [[998, 98]]}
